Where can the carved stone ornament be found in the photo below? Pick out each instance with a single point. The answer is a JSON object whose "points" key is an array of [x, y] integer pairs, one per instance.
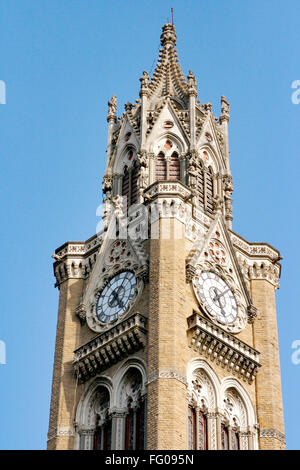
{"points": [[252, 313], [81, 313], [217, 204], [107, 184], [112, 108], [272, 434]]}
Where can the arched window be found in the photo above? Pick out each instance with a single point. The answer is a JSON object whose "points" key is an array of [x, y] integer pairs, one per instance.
{"points": [[102, 433], [202, 431], [192, 428], [161, 167], [197, 422], [135, 426], [129, 184], [130, 429], [167, 168], [174, 167], [235, 440], [134, 405], [141, 424], [224, 437], [102, 436]]}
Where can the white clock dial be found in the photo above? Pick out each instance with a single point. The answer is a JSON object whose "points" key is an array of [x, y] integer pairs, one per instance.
{"points": [[218, 297], [116, 296]]}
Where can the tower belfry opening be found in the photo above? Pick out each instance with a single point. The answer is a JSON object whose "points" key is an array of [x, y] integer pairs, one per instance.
{"points": [[167, 334]]}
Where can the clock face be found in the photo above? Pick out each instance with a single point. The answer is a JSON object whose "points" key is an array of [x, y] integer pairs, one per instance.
{"points": [[218, 297], [116, 296]]}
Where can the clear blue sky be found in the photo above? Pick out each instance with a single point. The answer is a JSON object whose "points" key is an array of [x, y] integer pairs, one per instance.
{"points": [[61, 61]]}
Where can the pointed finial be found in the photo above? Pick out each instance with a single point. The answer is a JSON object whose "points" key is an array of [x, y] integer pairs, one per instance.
{"points": [[112, 108], [144, 83], [168, 36], [225, 109], [172, 11]]}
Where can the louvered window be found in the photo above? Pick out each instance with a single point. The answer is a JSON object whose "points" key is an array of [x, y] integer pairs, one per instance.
{"points": [[200, 185], [134, 188], [167, 168], [209, 191], [125, 182], [129, 184], [174, 167], [205, 188], [161, 167]]}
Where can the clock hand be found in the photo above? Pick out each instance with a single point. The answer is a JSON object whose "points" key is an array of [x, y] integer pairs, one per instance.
{"points": [[115, 294], [220, 305], [218, 296]]}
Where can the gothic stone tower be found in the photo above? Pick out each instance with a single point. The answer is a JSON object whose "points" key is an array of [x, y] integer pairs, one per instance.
{"points": [[167, 334]]}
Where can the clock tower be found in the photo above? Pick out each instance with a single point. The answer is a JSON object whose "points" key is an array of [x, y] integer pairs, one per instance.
{"points": [[167, 335]]}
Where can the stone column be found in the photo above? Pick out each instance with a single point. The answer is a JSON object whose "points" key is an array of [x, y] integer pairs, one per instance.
{"points": [[61, 432], [268, 380], [167, 343]]}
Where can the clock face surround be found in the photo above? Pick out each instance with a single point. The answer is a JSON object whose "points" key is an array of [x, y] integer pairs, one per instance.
{"points": [[218, 297], [116, 297]]}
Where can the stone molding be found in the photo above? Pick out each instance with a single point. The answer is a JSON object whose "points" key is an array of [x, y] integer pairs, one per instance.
{"points": [[110, 347], [218, 345], [166, 374], [271, 433], [60, 431]]}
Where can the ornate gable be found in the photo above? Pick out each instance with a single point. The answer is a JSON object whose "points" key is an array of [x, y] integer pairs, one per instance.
{"points": [[115, 256], [215, 253]]}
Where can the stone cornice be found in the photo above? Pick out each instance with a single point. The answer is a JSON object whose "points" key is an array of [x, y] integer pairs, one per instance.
{"points": [[215, 343], [257, 260], [254, 249], [110, 347], [168, 188], [75, 260]]}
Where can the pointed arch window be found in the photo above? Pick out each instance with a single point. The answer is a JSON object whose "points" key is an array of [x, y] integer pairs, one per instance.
{"points": [[135, 426], [235, 440], [224, 437], [174, 167], [167, 168], [130, 183], [197, 422], [102, 433], [192, 428], [102, 436], [202, 431], [161, 167]]}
